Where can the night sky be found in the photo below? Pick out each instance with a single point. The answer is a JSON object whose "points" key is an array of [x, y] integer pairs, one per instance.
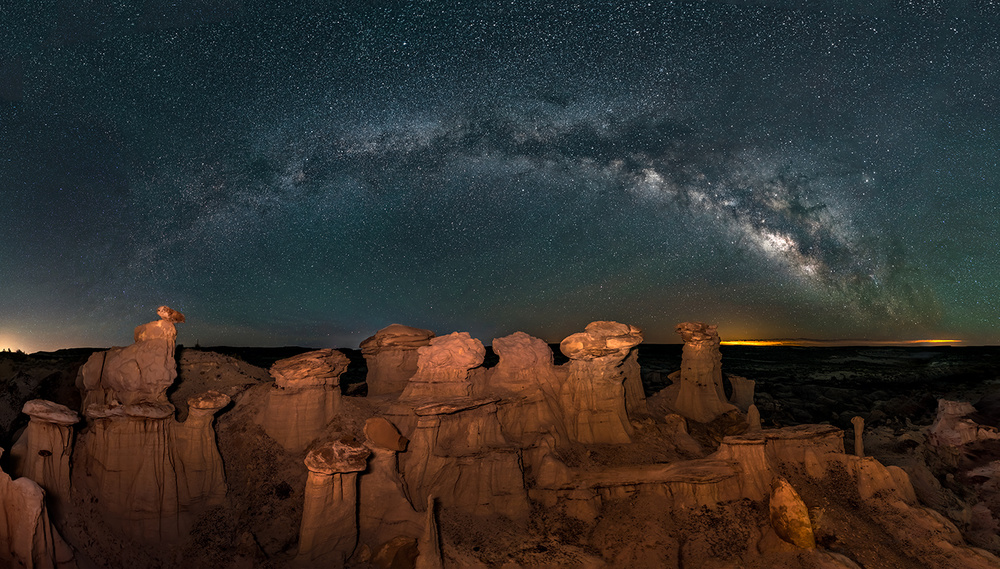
{"points": [[305, 173]]}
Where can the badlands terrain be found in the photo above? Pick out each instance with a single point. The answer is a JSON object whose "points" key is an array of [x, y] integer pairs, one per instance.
{"points": [[424, 450]]}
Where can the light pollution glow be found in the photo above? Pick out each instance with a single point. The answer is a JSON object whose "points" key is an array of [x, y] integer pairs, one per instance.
{"points": [[832, 343]]}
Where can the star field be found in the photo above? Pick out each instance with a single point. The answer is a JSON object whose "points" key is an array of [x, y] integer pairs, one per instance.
{"points": [[306, 174]]}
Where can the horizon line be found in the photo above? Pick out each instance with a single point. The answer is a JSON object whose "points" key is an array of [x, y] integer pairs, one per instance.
{"points": [[808, 342]]}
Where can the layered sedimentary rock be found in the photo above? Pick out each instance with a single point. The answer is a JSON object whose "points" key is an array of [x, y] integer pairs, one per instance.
{"points": [[304, 398], [601, 372], [458, 453], [953, 428], [385, 513], [443, 368], [43, 451], [130, 470], [529, 385], [329, 530], [743, 389], [200, 476], [698, 393], [27, 537], [139, 373], [391, 355]]}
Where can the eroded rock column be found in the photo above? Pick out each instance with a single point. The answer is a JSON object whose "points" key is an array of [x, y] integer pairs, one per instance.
{"points": [[601, 369], [443, 368], [329, 530], [42, 453], [699, 394], [304, 398], [391, 355], [529, 384], [385, 513], [27, 537], [201, 478]]}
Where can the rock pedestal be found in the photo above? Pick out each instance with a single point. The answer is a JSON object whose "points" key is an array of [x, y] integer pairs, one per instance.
{"points": [[699, 394], [305, 397], [140, 373], [443, 368], [391, 355], [329, 530], [130, 469], [458, 453], [601, 371], [385, 513], [529, 384], [42, 453], [859, 435], [27, 537], [743, 389], [200, 476]]}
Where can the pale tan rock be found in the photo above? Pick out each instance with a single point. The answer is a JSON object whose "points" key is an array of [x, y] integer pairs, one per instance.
{"points": [[457, 452], [310, 369], [794, 444], [529, 383], [128, 462], [698, 393], [43, 451], [27, 536], [329, 530], [753, 419], [593, 397], [429, 546], [391, 355], [385, 514], [743, 389], [952, 427], [138, 373], [789, 515], [304, 399], [859, 435], [443, 367], [201, 479], [755, 471]]}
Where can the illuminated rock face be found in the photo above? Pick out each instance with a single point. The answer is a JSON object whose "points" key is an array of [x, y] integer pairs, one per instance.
{"points": [[304, 398], [130, 470], [458, 453], [952, 428], [789, 515], [391, 355], [601, 372], [139, 373], [443, 368], [699, 394], [385, 513], [329, 530], [27, 537], [42, 453], [529, 384], [201, 479]]}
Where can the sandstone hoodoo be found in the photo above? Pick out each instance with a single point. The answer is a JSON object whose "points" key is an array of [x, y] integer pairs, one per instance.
{"points": [[305, 397], [391, 355], [449, 462]]}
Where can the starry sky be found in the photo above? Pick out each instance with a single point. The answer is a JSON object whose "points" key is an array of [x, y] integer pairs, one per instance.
{"points": [[305, 173]]}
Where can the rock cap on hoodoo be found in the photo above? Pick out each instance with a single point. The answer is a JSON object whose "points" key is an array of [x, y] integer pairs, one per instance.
{"points": [[698, 332], [319, 367], [169, 314], [210, 399], [601, 338], [522, 351], [457, 350], [50, 412], [396, 336], [338, 456], [383, 434]]}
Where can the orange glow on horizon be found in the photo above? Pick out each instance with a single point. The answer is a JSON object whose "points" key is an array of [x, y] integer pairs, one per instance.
{"points": [[816, 343]]}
